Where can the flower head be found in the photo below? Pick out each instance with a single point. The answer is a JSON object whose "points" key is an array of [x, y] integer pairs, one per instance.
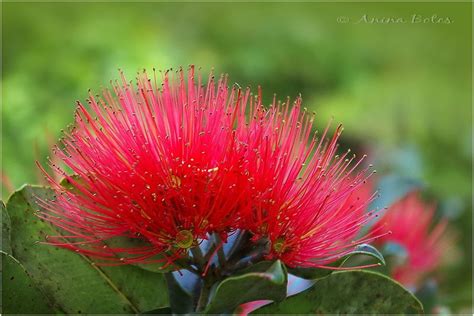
{"points": [[307, 200], [409, 221], [153, 163]]}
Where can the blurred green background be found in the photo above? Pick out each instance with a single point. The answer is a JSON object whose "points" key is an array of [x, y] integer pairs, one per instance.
{"points": [[402, 90]]}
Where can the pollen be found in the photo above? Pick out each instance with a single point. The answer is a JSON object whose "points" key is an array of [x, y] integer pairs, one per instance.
{"points": [[175, 181]]}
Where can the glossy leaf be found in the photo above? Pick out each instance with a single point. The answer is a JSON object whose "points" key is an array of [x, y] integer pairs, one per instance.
{"points": [[367, 250], [350, 292], [318, 273], [19, 294], [262, 281], [72, 282]]}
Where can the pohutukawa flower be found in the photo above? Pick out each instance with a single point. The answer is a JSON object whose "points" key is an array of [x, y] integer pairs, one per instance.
{"points": [[154, 163], [409, 220], [307, 200], [172, 164]]}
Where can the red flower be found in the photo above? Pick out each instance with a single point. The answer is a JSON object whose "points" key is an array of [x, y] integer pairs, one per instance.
{"points": [[305, 196], [409, 220], [154, 163], [170, 166]]}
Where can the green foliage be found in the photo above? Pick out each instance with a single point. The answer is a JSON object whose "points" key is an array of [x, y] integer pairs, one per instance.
{"points": [[54, 280], [19, 294], [72, 282], [350, 292], [262, 281]]}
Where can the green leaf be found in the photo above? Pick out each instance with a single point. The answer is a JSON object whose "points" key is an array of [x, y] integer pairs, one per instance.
{"points": [[350, 292], [70, 281], [6, 227], [367, 250], [19, 294], [124, 242], [318, 273], [262, 281], [181, 301]]}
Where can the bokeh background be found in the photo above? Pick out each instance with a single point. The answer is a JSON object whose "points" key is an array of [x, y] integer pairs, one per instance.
{"points": [[402, 90]]}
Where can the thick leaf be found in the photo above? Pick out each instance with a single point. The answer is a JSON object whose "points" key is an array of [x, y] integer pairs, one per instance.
{"points": [[350, 292], [318, 273], [71, 281], [19, 294], [263, 281], [124, 242], [6, 227]]}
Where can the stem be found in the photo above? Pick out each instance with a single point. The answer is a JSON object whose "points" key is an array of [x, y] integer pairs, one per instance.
{"points": [[204, 295]]}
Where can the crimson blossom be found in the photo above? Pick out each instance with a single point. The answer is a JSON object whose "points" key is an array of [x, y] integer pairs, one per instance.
{"points": [[154, 163], [172, 164], [411, 222], [307, 200]]}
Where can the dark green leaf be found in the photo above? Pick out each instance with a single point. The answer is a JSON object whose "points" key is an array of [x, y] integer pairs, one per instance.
{"points": [[181, 301], [350, 292], [70, 281], [6, 227], [259, 282], [19, 294], [318, 273]]}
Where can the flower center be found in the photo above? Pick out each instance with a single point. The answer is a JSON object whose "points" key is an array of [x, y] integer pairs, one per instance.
{"points": [[184, 239], [279, 245]]}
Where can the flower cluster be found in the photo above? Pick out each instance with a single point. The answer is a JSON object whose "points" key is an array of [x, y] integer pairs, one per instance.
{"points": [[171, 163]]}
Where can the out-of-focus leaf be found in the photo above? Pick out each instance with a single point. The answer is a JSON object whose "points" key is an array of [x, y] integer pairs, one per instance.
{"points": [[19, 294], [318, 273], [262, 281], [350, 292], [72, 282], [6, 227]]}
